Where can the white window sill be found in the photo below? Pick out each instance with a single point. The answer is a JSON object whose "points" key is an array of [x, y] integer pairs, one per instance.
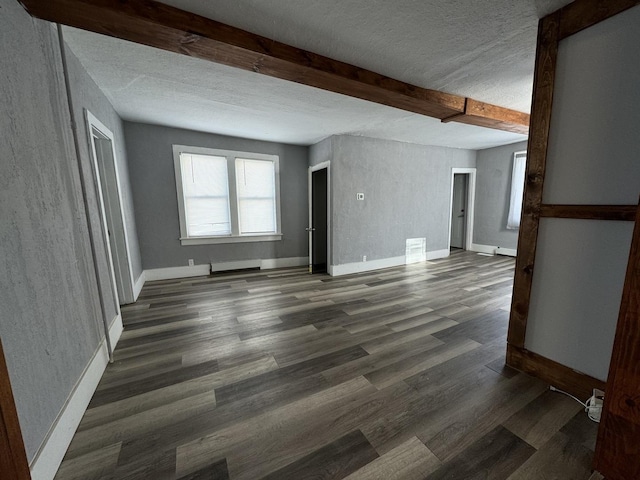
{"points": [[273, 237]]}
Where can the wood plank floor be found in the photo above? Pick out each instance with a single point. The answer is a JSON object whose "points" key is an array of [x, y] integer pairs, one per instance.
{"points": [[393, 374]]}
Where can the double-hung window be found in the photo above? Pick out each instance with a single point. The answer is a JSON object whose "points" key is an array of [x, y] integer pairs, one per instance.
{"points": [[226, 196]]}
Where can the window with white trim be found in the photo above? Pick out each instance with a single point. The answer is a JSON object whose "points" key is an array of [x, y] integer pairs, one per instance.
{"points": [[226, 196], [517, 190]]}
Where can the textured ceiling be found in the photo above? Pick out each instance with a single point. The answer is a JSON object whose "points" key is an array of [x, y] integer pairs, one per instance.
{"points": [[483, 50]]}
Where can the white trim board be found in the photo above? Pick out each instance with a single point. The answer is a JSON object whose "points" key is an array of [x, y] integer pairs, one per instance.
{"points": [[511, 252], [137, 287], [435, 254], [358, 267], [288, 262], [493, 250], [261, 263], [47, 460], [170, 273]]}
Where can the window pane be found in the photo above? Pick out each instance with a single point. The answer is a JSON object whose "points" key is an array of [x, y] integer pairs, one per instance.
{"points": [[517, 190], [206, 195], [256, 188]]}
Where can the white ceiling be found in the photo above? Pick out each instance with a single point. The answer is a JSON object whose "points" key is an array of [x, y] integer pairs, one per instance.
{"points": [[484, 50]]}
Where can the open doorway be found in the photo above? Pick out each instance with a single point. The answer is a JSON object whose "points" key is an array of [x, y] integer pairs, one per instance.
{"points": [[462, 206], [319, 218], [107, 185]]}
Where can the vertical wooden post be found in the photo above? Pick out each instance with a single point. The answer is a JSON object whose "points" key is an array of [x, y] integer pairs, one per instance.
{"points": [[13, 458], [617, 454]]}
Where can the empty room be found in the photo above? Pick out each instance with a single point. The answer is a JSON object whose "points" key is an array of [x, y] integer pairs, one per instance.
{"points": [[319, 239]]}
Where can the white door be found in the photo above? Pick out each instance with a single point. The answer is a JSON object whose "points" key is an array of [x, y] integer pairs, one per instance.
{"points": [[110, 204], [458, 214]]}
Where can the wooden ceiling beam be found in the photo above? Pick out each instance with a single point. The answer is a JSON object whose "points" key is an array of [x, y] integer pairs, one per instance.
{"points": [[577, 16], [158, 25], [491, 116]]}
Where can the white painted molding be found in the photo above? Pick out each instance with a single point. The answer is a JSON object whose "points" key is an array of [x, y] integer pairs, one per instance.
{"points": [[170, 273], [357, 267], [435, 254], [488, 249], [137, 287], [269, 263], [511, 252], [176, 272], [493, 250], [46, 462]]}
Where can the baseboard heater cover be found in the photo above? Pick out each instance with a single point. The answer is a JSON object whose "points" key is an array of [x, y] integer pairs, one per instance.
{"points": [[239, 265]]}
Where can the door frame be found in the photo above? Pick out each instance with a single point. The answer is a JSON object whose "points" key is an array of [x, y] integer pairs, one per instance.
{"points": [[312, 169], [123, 258], [470, 207]]}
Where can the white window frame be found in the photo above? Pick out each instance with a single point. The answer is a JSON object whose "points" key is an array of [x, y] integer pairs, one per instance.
{"points": [[231, 156]]}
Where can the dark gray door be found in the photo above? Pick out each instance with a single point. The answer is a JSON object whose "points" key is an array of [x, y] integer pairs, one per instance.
{"points": [[319, 221], [458, 216]]}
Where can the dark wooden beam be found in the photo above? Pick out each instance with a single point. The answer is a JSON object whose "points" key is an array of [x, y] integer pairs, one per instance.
{"points": [[590, 212], [13, 459], [491, 116], [582, 14], [152, 23], [543, 84], [549, 371], [617, 454]]}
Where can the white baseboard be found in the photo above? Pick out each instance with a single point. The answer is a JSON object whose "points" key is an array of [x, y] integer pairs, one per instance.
{"points": [[115, 330], [435, 254], [262, 264], [170, 273], [488, 249], [358, 267], [47, 460], [493, 250], [268, 263], [137, 287], [511, 252]]}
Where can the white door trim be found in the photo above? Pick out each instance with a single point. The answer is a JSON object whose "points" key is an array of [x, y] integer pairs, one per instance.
{"points": [[93, 124], [470, 207], [312, 169]]}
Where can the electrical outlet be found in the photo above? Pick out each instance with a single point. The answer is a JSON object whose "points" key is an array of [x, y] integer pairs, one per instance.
{"points": [[360, 196], [364, 258], [191, 264]]}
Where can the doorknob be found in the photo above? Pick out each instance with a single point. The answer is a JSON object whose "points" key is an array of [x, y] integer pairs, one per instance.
{"points": [[309, 229]]}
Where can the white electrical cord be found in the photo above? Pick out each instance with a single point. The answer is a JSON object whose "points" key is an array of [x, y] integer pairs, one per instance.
{"points": [[589, 406]]}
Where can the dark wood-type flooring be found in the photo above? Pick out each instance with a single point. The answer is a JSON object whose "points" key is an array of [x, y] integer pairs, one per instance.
{"points": [[279, 374]]}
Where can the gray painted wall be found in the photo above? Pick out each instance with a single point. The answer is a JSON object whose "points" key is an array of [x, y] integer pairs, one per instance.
{"points": [[320, 152], [493, 189], [86, 95], [149, 148], [592, 158], [407, 191], [50, 314]]}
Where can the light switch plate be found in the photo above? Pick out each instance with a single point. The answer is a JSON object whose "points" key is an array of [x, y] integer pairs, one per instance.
{"points": [[360, 196]]}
